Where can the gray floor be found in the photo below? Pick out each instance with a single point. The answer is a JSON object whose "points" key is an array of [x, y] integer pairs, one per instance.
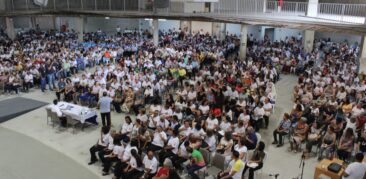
{"points": [[25, 158], [64, 151]]}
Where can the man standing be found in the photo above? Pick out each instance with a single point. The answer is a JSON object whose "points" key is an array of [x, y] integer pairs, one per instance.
{"points": [[105, 109], [356, 169]]}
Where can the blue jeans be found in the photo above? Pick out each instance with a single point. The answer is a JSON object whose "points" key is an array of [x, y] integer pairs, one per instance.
{"points": [[51, 80], [43, 83], [192, 169]]}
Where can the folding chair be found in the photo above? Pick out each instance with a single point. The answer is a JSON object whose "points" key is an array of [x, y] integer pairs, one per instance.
{"points": [[54, 119], [72, 122], [49, 115]]}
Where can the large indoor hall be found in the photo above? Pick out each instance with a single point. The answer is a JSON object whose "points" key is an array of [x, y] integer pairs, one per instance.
{"points": [[182, 89]]}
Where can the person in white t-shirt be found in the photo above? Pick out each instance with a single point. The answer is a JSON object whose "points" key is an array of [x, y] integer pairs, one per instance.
{"points": [[126, 129], [102, 144], [150, 164], [135, 167], [114, 156], [357, 169], [171, 149], [268, 107], [159, 138], [212, 123]]}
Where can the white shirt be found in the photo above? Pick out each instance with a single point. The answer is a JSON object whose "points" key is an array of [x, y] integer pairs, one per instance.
{"points": [[127, 153], [150, 164], [106, 140], [118, 150], [127, 128], [267, 106], [204, 109], [355, 170], [174, 142], [158, 139], [242, 149], [211, 123], [133, 164], [56, 109]]}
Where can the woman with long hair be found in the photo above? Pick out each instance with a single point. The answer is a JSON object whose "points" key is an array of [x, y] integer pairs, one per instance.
{"points": [[135, 168]]}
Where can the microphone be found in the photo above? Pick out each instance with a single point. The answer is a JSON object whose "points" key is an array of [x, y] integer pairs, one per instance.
{"points": [[274, 175]]}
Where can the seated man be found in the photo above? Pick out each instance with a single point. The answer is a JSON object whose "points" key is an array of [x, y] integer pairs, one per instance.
{"points": [[282, 130], [57, 110], [235, 169]]}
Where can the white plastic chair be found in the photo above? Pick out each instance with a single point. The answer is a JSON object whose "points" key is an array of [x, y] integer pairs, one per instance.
{"points": [[259, 137]]}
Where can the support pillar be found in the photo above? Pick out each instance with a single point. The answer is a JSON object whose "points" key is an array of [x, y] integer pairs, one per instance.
{"points": [[363, 56], [243, 42], [10, 27], [308, 40], [313, 8], [219, 30], [33, 22], [155, 24], [80, 28]]}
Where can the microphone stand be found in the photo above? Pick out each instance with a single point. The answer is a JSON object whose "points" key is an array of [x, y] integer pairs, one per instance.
{"points": [[302, 164], [274, 175]]}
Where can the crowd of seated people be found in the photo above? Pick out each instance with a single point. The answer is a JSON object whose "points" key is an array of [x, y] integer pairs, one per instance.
{"points": [[329, 109], [186, 101], [191, 94]]}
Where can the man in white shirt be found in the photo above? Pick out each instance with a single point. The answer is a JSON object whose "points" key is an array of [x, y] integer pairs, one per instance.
{"points": [[103, 142], [151, 165], [56, 109], [357, 169]]}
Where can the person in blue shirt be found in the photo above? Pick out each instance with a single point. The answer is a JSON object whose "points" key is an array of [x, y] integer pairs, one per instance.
{"points": [[250, 139], [60, 88], [105, 109], [282, 130]]}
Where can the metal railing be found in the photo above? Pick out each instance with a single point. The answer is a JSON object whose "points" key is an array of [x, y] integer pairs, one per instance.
{"points": [[295, 8], [342, 12], [354, 13]]}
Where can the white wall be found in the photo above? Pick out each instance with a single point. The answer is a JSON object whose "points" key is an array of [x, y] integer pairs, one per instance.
{"points": [[169, 24], [22, 22], [282, 33], [256, 31], [233, 29], [198, 25], [92, 24], [193, 6], [336, 37]]}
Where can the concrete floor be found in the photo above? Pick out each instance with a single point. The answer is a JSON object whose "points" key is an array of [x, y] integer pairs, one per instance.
{"points": [[65, 155]]}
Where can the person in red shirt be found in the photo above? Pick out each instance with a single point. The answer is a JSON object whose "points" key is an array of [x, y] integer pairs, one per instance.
{"points": [[163, 172]]}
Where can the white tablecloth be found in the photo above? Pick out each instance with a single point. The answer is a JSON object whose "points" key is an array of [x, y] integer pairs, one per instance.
{"points": [[77, 112]]}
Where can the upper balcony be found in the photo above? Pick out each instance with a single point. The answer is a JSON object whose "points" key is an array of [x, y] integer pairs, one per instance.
{"points": [[321, 16]]}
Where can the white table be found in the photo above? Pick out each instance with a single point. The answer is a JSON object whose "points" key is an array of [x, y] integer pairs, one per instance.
{"points": [[77, 112]]}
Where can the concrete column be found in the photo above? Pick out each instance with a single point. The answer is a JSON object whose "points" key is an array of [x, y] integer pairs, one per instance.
{"points": [[363, 55], [155, 27], [243, 41], [80, 28], [219, 30], [54, 22], [313, 8], [308, 40], [33, 22], [10, 27]]}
